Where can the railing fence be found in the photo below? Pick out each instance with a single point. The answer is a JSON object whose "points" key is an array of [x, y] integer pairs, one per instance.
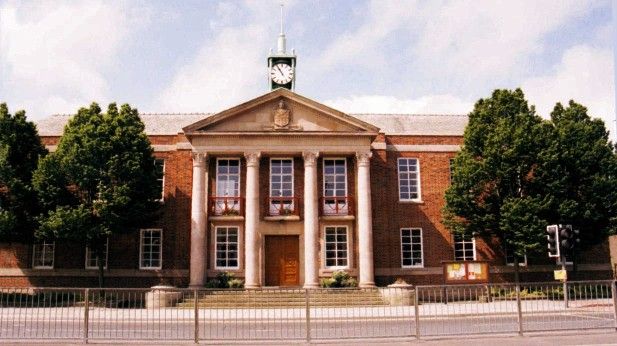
{"points": [[304, 314]]}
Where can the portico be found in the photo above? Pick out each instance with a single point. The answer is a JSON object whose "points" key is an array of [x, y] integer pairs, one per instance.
{"points": [[296, 167]]}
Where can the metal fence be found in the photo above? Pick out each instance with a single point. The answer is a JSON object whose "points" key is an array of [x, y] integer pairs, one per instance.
{"points": [[299, 314]]}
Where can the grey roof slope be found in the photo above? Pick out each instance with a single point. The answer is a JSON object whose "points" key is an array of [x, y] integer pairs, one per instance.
{"points": [[390, 124]]}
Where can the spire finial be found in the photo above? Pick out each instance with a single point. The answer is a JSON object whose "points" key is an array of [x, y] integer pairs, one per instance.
{"points": [[282, 20], [281, 41]]}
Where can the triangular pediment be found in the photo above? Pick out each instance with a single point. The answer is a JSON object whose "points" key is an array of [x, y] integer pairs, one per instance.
{"points": [[278, 111]]}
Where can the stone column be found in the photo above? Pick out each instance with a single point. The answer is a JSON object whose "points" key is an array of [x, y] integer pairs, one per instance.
{"points": [[311, 220], [251, 217], [365, 220], [199, 197]]}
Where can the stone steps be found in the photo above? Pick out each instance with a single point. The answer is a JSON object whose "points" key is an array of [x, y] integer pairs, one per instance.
{"points": [[276, 299]]}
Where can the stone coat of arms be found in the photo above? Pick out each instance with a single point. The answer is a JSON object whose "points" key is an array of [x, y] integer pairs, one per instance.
{"points": [[282, 116]]}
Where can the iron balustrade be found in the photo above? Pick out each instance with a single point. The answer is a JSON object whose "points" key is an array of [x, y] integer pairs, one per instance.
{"points": [[238, 315], [283, 206], [336, 205], [226, 206]]}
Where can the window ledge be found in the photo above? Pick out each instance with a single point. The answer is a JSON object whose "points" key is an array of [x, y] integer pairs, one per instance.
{"points": [[413, 267], [411, 201], [282, 218], [227, 218], [337, 217]]}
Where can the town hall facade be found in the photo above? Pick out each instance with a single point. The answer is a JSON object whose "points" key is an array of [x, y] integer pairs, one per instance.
{"points": [[282, 190]]}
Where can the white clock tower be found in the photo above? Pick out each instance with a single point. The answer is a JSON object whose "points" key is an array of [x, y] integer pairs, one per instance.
{"points": [[282, 65]]}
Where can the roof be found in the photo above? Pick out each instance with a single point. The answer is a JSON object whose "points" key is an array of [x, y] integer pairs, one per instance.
{"points": [[390, 124]]}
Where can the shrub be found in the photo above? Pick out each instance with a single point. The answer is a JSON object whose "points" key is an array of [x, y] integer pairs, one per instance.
{"points": [[339, 279], [225, 280]]}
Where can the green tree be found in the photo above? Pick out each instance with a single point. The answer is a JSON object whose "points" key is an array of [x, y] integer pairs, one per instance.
{"points": [[100, 181], [20, 149], [494, 192], [580, 174]]}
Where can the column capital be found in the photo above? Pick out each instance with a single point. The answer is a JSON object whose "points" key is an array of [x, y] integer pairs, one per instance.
{"points": [[310, 157], [199, 158], [252, 157], [364, 157]]}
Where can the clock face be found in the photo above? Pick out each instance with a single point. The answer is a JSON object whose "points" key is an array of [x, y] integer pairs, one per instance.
{"points": [[281, 73]]}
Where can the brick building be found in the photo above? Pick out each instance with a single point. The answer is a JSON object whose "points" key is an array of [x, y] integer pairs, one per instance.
{"points": [[283, 190]]}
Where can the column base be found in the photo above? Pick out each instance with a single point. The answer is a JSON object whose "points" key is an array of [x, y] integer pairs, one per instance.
{"points": [[307, 286], [367, 285], [252, 287], [194, 287]]}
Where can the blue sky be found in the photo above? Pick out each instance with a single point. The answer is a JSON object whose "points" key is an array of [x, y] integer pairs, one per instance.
{"points": [[357, 56]]}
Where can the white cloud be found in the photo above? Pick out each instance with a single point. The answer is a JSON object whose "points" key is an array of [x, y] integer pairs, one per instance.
{"points": [[228, 69], [54, 54], [430, 104], [584, 74]]}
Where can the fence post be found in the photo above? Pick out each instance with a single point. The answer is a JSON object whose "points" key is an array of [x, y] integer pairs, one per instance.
{"points": [[519, 309], [86, 314], [196, 315], [614, 294], [416, 309], [308, 315]]}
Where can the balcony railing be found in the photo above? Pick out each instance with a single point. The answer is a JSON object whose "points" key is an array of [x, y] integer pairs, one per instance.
{"points": [[283, 206], [336, 205], [226, 206]]}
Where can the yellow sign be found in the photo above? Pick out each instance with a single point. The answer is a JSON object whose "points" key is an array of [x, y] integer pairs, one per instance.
{"points": [[560, 274]]}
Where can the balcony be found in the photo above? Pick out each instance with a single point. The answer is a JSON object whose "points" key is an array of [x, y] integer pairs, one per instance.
{"points": [[226, 206], [336, 206], [283, 206]]}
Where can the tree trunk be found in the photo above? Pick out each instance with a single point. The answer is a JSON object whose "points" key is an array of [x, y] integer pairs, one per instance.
{"points": [[517, 270]]}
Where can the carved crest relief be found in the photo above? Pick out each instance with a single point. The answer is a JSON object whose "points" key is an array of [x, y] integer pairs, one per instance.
{"points": [[281, 118]]}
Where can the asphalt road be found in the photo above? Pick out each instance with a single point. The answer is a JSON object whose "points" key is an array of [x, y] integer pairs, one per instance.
{"points": [[358, 327]]}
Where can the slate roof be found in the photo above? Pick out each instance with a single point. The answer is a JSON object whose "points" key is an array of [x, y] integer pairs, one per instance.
{"points": [[390, 124]]}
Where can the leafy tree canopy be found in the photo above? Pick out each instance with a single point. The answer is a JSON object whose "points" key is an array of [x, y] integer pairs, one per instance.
{"points": [[20, 149], [494, 191], [100, 181], [517, 173]]}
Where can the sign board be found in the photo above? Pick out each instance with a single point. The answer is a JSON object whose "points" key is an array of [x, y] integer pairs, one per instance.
{"points": [[560, 274], [465, 272]]}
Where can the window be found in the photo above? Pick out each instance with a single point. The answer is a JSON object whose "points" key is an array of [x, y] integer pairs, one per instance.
{"points": [[281, 187], [336, 247], [43, 255], [92, 261], [335, 187], [408, 179], [227, 247], [464, 248], [228, 177], [227, 200], [522, 260], [411, 248], [569, 260], [159, 167], [150, 249]]}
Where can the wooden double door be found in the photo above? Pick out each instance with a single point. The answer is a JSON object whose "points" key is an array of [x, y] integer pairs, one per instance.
{"points": [[282, 260]]}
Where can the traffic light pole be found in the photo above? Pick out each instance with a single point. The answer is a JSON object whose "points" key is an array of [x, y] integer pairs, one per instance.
{"points": [[565, 280]]}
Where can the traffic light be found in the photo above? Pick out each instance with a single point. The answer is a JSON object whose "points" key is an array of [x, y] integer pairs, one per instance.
{"points": [[569, 238], [552, 235]]}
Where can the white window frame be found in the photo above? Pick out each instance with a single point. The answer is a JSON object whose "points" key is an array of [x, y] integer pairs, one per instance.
{"points": [[141, 245], [347, 250], [411, 229], [567, 262], [162, 199], [281, 175], [238, 193], [324, 175], [419, 182], [89, 253], [473, 244], [34, 255], [216, 242], [511, 263]]}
